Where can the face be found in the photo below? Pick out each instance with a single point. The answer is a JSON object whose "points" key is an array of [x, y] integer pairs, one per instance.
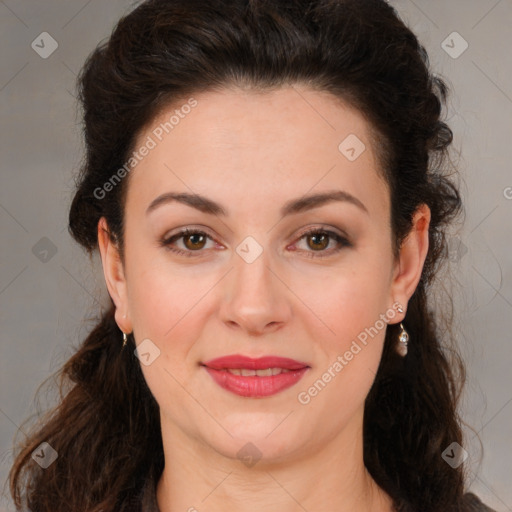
{"points": [[264, 273]]}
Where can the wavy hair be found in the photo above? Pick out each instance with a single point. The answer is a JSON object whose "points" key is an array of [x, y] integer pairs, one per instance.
{"points": [[162, 51]]}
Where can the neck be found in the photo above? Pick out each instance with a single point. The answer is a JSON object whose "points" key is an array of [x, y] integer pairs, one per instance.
{"points": [[331, 477]]}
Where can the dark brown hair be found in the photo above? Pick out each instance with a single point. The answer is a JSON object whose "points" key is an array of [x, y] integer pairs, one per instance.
{"points": [[106, 428]]}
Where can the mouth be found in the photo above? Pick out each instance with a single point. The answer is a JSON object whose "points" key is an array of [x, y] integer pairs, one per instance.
{"points": [[256, 378], [245, 372]]}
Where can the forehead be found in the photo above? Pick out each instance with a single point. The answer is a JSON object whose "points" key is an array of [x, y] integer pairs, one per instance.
{"points": [[234, 145]]}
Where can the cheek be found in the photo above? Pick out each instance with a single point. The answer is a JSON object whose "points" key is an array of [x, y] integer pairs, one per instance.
{"points": [[349, 357], [160, 300], [356, 308], [344, 301]]}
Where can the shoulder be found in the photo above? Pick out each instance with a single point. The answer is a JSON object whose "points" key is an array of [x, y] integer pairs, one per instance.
{"points": [[472, 503]]}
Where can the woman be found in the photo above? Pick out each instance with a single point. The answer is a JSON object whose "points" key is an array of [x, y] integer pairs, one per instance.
{"points": [[266, 183]]}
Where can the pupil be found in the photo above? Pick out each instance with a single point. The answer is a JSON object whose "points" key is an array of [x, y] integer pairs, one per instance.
{"points": [[318, 236], [191, 238]]}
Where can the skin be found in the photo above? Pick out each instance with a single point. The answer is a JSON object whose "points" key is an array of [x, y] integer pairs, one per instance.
{"points": [[252, 153]]}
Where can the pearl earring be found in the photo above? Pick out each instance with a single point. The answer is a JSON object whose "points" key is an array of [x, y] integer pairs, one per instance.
{"points": [[403, 340]]}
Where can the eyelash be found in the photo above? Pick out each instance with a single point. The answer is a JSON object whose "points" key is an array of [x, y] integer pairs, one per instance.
{"points": [[166, 242]]}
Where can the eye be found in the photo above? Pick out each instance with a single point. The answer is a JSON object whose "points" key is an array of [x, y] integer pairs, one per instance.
{"points": [[194, 241], [318, 240]]}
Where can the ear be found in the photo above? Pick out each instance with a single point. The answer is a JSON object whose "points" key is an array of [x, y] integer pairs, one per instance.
{"points": [[113, 271], [413, 251]]}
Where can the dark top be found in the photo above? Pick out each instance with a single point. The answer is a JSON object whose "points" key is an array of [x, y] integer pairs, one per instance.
{"points": [[146, 501]]}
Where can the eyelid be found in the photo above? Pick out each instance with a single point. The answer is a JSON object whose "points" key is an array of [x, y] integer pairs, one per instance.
{"points": [[192, 229], [342, 240], [322, 229], [167, 240]]}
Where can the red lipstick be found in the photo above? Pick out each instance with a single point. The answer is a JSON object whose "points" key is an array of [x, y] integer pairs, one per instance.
{"points": [[255, 378]]}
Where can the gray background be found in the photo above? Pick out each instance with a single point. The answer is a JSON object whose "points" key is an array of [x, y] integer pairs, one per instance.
{"points": [[45, 296]]}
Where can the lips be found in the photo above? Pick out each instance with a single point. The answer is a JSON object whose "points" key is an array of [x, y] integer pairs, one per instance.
{"points": [[248, 377], [248, 363]]}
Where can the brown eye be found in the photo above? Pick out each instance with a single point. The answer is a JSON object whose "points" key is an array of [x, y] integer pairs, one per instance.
{"points": [[320, 240], [194, 241]]}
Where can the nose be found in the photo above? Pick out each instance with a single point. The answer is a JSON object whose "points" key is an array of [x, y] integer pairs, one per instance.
{"points": [[256, 299]]}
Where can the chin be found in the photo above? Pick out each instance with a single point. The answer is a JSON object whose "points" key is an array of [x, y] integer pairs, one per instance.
{"points": [[259, 437]]}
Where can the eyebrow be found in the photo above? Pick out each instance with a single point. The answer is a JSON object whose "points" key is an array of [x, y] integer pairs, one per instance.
{"points": [[291, 207]]}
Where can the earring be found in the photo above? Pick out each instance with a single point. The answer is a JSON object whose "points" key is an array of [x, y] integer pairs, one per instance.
{"points": [[403, 340], [125, 339]]}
